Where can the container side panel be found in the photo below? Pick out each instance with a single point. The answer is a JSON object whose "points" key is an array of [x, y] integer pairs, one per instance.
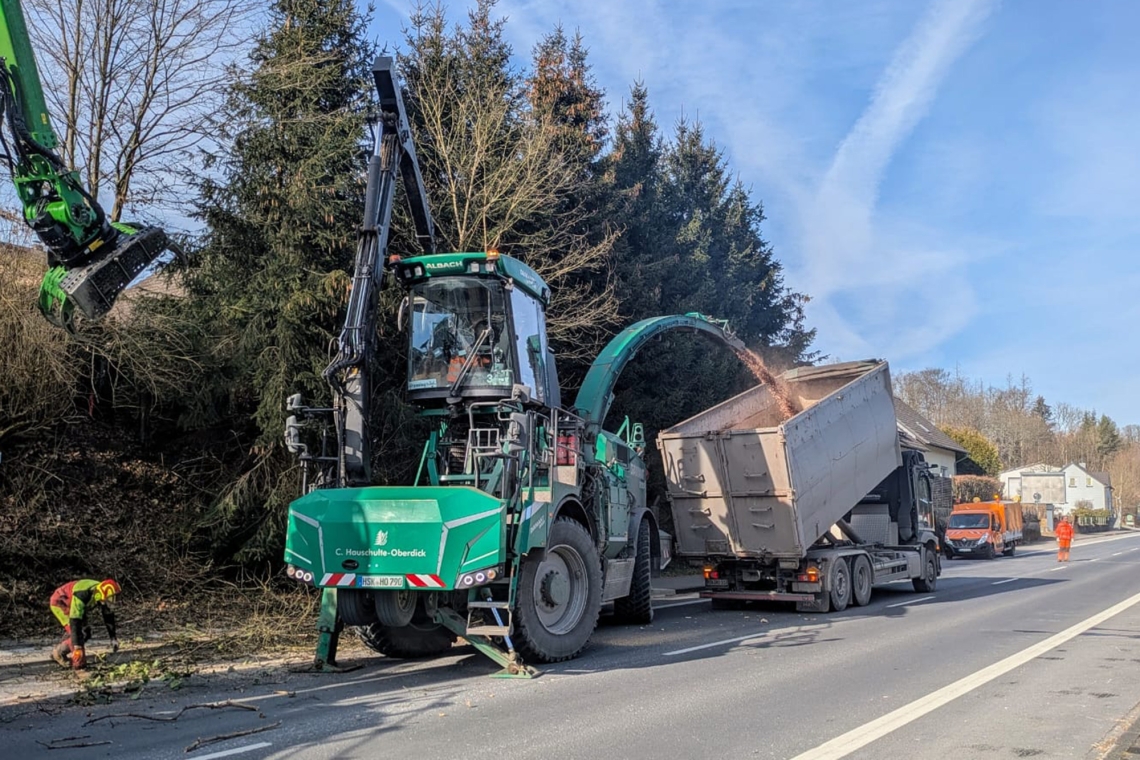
{"points": [[760, 495], [840, 449], [701, 519]]}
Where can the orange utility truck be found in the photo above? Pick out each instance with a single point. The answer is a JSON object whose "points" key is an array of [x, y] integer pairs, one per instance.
{"points": [[983, 529]]}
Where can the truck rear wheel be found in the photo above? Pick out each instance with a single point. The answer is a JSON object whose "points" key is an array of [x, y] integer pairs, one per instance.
{"points": [[559, 595], [638, 606], [394, 608], [407, 642], [1010, 550], [355, 607], [840, 585], [929, 577], [862, 578]]}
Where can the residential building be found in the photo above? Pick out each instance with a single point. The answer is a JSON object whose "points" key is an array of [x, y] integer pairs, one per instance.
{"points": [[917, 432], [1038, 483], [1082, 484], [1061, 487]]}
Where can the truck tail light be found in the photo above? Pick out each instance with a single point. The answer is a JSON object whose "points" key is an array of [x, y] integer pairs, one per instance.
{"points": [[711, 574], [811, 575]]}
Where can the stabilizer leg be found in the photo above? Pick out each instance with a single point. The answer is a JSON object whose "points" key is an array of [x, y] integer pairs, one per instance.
{"points": [[329, 626], [512, 666]]}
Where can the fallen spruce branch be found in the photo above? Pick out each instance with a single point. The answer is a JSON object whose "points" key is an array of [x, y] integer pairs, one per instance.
{"points": [[177, 715], [234, 735]]}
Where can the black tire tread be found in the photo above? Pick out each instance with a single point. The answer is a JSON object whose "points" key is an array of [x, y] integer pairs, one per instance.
{"points": [[838, 567], [637, 608], [406, 643], [923, 585], [529, 642], [861, 560], [355, 607]]}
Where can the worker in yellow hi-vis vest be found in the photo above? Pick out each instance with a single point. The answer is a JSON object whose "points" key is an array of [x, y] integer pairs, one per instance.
{"points": [[70, 604]]}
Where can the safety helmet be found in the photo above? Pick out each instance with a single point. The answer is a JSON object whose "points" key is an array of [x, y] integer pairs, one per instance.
{"points": [[107, 590]]}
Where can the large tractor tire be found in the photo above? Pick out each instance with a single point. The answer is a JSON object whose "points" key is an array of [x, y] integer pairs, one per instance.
{"points": [[408, 642], [559, 596], [637, 608]]}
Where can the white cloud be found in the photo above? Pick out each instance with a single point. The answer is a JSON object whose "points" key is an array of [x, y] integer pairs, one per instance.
{"points": [[849, 248]]}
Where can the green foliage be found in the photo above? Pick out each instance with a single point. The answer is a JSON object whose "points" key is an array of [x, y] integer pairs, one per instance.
{"points": [[979, 449], [281, 201], [1108, 438], [691, 241], [105, 681], [281, 215], [1089, 520], [969, 487]]}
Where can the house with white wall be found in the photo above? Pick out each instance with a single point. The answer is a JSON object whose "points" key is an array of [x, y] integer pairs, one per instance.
{"points": [[1039, 482], [1063, 487], [1082, 484]]}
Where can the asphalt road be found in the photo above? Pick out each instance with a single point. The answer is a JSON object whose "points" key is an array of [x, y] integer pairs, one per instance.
{"points": [[1015, 657]]}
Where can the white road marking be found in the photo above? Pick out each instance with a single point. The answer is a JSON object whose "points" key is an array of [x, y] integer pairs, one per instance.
{"points": [[1117, 554], [234, 751], [842, 746], [1062, 567], [678, 604], [909, 601], [1094, 559], [1135, 549], [757, 635], [1007, 580]]}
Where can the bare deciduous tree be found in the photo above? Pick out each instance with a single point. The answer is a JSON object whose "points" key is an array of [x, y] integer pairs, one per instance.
{"points": [[503, 183], [499, 173], [132, 84]]}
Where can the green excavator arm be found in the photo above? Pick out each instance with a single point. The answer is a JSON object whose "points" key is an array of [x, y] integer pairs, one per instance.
{"points": [[91, 259]]}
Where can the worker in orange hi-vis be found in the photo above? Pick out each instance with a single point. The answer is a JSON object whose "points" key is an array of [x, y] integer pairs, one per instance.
{"points": [[1064, 531]]}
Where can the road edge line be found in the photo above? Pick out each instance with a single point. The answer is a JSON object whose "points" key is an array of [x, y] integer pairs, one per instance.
{"points": [[845, 744]]}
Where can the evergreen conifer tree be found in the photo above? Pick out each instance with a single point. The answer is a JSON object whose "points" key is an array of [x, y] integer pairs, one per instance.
{"points": [[281, 202]]}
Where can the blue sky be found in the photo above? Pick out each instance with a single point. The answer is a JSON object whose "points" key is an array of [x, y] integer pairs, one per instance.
{"points": [[955, 183]]}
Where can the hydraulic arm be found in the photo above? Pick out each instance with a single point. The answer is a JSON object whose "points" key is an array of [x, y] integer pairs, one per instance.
{"points": [[91, 259], [393, 155]]}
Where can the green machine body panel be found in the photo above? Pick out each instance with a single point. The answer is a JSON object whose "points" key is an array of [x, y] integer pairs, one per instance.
{"points": [[426, 536]]}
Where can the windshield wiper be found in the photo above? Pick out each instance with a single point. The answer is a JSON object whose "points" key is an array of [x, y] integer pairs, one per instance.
{"points": [[467, 364]]}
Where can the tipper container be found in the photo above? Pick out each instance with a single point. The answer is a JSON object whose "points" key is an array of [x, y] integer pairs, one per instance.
{"points": [[745, 482]]}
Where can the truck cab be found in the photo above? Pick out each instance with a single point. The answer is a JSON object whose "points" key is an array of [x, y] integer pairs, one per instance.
{"points": [[983, 529]]}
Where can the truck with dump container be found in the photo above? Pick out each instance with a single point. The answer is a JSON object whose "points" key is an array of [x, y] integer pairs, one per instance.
{"points": [[984, 529], [814, 509]]}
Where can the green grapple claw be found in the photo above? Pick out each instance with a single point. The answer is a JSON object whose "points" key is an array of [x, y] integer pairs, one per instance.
{"points": [[93, 289], [53, 301]]}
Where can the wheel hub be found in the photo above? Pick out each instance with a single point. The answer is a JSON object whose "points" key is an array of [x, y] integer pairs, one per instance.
{"points": [[559, 591], [555, 589]]}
